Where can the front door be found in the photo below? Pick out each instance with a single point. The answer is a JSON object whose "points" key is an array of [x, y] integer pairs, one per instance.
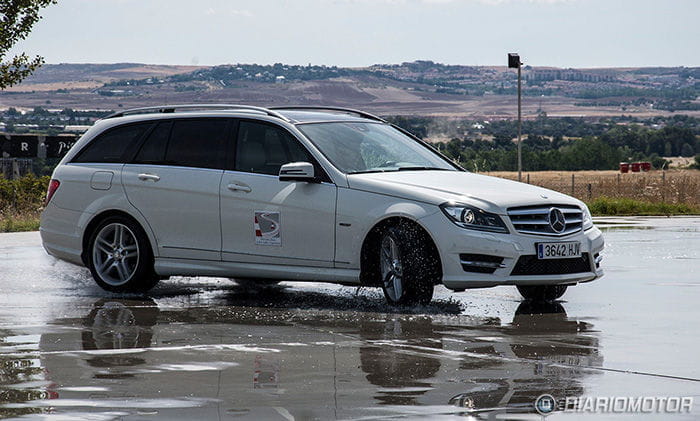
{"points": [[265, 220]]}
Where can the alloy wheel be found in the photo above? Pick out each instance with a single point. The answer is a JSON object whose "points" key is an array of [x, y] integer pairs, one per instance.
{"points": [[115, 254], [391, 268]]}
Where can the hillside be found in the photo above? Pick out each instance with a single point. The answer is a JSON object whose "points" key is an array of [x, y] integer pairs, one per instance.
{"points": [[416, 88]]}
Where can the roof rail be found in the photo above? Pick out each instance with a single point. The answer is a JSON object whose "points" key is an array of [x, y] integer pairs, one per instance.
{"points": [[195, 107], [322, 108]]}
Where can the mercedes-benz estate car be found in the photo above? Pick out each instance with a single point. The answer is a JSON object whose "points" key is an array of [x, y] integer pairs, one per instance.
{"points": [[303, 194]]}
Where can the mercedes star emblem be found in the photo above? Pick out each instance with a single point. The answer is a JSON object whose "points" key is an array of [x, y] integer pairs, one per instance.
{"points": [[557, 220]]}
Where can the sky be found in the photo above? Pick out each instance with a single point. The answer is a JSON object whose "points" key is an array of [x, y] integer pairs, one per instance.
{"points": [[356, 33]]}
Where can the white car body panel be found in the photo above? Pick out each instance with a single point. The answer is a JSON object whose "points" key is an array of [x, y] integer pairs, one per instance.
{"points": [[491, 194], [359, 211], [307, 217], [181, 208]]}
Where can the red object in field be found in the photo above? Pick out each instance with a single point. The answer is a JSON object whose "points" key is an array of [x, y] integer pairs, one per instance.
{"points": [[646, 166], [624, 167], [636, 166]]}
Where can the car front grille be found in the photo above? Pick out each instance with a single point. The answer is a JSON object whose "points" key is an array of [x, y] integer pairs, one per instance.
{"points": [[531, 265], [535, 219]]}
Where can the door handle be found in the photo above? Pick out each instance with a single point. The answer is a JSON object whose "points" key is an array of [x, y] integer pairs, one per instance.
{"points": [[239, 187], [146, 177]]}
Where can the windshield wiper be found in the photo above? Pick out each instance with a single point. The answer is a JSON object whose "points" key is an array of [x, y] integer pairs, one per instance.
{"points": [[421, 169], [368, 171]]}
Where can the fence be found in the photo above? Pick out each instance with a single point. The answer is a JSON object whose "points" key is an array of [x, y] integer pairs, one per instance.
{"points": [[681, 186], [11, 168]]}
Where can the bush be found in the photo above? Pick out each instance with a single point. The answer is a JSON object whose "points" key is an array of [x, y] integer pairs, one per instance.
{"points": [[21, 201]]}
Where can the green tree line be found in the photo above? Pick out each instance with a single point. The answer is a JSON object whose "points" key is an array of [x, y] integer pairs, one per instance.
{"points": [[588, 145]]}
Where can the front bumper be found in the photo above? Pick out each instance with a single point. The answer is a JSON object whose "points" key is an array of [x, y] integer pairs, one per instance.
{"points": [[455, 243]]}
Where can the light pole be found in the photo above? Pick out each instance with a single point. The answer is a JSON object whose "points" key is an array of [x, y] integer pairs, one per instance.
{"points": [[514, 62]]}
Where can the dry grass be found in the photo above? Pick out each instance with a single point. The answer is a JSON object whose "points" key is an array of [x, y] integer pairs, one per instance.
{"points": [[674, 186]]}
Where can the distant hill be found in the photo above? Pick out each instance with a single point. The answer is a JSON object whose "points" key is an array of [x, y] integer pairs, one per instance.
{"points": [[415, 88], [67, 72]]}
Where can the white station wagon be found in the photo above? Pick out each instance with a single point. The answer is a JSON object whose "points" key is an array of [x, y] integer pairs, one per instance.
{"points": [[303, 194]]}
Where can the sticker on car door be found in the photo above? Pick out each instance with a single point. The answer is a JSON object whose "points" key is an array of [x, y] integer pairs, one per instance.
{"points": [[267, 228]]}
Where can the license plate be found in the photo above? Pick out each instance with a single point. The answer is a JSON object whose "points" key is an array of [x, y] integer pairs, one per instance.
{"points": [[558, 250]]}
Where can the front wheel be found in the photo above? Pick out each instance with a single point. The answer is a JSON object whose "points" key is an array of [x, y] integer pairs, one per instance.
{"points": [[120, 257], [405, 266], [541, 292]]}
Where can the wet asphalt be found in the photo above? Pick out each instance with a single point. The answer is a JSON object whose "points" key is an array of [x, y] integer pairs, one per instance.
{"points": [[207, 348]]}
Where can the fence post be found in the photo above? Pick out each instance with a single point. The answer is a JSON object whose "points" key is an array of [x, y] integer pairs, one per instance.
{"points": [[572, 184], [590, 191], [618, 184], [663, 186], [15, 169], [528, 178]]}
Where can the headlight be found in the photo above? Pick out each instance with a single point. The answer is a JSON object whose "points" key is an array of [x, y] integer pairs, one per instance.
{"points": [[473, 218], [587, 219]]}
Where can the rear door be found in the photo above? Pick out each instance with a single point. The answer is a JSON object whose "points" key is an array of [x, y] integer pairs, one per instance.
{"points": [[174, 181], [265, 220]]}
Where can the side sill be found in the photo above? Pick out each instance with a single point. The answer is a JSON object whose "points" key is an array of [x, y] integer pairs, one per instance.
{"points": [[187, 267]]}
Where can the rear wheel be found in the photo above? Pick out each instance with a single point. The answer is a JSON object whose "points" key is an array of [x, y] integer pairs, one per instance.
{"points": [[120, 257], [406, 267], [542, 292]]}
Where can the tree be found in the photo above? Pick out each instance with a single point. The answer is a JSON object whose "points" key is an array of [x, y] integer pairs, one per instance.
{"points": [[17, 17], [687, 150]]}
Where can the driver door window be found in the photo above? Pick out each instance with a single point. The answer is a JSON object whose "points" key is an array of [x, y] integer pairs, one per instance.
{"points": [[263, 149]]}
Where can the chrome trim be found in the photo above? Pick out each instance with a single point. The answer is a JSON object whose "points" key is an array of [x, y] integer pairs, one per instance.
{"points": [[551, 234], [535, 220], [544, 210], [490, 265]]}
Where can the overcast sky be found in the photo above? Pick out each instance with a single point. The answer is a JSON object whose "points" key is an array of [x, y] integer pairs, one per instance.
{"points": [[563, 33]]}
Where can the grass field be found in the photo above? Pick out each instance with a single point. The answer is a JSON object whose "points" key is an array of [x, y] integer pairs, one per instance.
{"points": [[669, 187]]}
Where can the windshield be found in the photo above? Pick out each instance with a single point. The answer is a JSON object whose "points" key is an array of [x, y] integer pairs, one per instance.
{"points": [[355, 148]]}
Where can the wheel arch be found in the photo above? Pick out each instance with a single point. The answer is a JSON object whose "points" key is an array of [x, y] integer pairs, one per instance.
{"points": [[98, 218], [369, 252]]}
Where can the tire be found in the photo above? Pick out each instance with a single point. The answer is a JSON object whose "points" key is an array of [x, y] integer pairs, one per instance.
{"points": [[542, 292], [120, 256], [406, 267]]}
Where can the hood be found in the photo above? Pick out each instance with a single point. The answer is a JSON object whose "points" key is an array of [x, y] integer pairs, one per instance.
{"points": [[491, 194]]}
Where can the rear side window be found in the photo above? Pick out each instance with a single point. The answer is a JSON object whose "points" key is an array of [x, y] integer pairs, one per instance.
{"points": [[153, 149], [263, 149], [110, 146], [197, 143]]}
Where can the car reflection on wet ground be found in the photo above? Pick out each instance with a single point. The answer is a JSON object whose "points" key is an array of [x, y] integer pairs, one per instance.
{"points": [[210, 349]]}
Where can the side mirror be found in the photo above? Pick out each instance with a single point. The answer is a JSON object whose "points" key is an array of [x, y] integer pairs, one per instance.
{"points": [[297, 171]]}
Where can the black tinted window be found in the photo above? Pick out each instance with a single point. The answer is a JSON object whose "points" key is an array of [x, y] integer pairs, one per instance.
{"points": [[197, 143], [153, 149], [111, 145], [263, 149]]}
